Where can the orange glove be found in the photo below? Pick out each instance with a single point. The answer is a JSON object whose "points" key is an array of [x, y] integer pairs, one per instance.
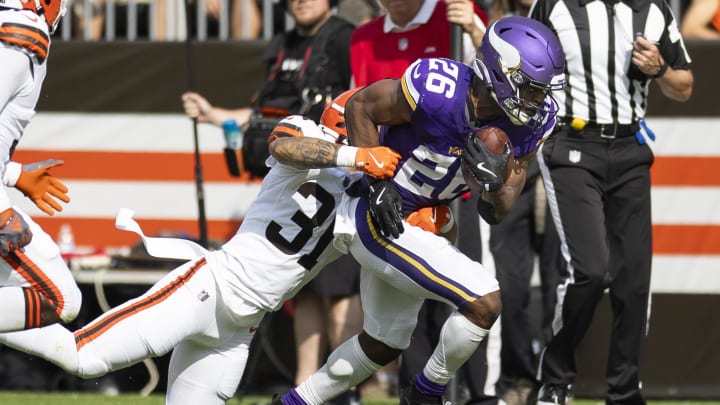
{"points": [[379, 161], [41, 187], [14, 232], [437, 219]]}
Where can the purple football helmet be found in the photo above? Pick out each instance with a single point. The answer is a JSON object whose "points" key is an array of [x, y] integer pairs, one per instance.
{"points": [[518, 56]]}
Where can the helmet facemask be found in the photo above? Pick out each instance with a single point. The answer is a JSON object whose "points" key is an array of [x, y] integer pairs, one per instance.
{"points": [[53, 10], [522, 84]]}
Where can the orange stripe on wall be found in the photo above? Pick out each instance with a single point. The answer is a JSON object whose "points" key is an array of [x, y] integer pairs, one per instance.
{"points": [[130, 166], [101, 232], [157, 166], [686, 171], [686, 239]]}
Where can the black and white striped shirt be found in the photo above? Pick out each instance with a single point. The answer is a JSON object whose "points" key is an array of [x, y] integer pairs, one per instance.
{"points": [[597, 37]]}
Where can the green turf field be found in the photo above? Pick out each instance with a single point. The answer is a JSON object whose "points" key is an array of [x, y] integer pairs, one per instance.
{"points": [[35, 398]]}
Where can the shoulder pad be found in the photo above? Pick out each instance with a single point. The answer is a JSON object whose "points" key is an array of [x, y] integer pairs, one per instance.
{"points": [[31, 40]]}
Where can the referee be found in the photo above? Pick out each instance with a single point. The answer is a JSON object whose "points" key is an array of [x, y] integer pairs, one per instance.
{"points": [[596, 169]]}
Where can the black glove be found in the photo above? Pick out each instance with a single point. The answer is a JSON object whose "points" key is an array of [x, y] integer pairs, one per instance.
{"points": [[386, 208], [14, 232], [487, 168]]}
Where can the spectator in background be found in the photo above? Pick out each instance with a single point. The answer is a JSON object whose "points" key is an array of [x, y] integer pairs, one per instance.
{"points": [[526, 233], [384, 48], [89, 19], [702, 20], [307, 67], [502, 8], [409, 30], [288, 73], [358, 12], [596, 169]]}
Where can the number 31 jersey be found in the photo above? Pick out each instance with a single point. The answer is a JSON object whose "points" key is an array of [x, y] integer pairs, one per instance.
{"points": [[285, 237]]}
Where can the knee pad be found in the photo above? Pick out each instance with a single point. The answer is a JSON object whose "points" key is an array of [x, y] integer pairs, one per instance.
{"points": [[72, 303]]}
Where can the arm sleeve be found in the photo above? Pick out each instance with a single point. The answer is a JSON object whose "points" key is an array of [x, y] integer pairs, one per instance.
{"points": [[671, 45]]}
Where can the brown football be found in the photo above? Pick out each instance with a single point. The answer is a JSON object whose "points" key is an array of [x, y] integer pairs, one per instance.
{"points": [[495, 139]]}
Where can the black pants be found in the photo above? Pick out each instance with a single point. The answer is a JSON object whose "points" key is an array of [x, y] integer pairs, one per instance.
{"points": [[515, 242], [599, 190]]}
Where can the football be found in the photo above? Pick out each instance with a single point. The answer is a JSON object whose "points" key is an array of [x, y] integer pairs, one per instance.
{"points": [[495, 139]]}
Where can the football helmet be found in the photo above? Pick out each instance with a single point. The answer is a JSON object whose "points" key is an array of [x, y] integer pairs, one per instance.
{"points": [[332, 120], [520, 61], [53, 10]]}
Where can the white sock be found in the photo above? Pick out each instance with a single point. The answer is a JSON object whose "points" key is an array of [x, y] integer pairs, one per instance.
{"points": [[459, 338], [53, 343], [346, 367], [12, 301]]}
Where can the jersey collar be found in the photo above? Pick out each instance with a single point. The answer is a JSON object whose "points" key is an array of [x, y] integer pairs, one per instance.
{"points": [[423, 16], [634, 4]]}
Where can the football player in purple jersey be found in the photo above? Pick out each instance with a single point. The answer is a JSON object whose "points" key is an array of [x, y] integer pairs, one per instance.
{"points": [[429, 116]]}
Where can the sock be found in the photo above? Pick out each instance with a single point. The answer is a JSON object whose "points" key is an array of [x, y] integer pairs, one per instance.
{"points": [[292, 398], [53, 343], [346, 367], [459, 338], [425, 386], [12, 301]]}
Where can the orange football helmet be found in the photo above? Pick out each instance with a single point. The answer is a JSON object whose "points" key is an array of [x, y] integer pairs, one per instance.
{"points": [[332, 120], [53, 10]]}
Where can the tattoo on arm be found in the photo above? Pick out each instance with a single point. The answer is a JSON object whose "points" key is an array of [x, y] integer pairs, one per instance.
{"points": [[305, 153]]}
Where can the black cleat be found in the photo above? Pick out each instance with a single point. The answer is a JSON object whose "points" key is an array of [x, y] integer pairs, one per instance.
{"points": [[276, 399], [411, 396], [552, 394]]}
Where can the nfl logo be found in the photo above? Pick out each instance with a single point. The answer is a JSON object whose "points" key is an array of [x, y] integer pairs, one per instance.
{"points": [[403, 44], [203, 295], [574, 156]]}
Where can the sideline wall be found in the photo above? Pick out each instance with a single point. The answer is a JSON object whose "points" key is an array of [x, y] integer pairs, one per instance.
{"points": [[113, 112]]}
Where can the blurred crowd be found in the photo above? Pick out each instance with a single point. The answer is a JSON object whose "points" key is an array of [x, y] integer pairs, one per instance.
{"points": [[261, 19]]}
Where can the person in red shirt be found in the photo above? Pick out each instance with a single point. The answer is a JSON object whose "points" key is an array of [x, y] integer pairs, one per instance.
{"points": [[411, 29]]}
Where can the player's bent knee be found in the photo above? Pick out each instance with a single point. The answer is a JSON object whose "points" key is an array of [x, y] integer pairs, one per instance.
{"points": [[485, 310], [71, 307], [380, 350]]}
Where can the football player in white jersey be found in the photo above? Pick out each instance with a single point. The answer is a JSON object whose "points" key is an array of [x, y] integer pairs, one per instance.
{"points": [[36, 286], [208, 309]]}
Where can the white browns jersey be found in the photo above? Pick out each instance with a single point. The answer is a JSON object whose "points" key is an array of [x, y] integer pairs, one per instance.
{"points": [[285, 237], [22, 79]]}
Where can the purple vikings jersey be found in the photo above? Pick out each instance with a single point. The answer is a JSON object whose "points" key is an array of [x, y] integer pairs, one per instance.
{"points": [[431, 144]]}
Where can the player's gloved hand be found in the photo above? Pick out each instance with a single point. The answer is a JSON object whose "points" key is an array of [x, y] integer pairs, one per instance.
{"points": [[386, 208], [379, 161], [487, 168], [437, 219], [41, 187], [14, 232]]}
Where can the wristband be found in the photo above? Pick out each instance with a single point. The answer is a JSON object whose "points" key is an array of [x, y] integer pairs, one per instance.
{"points": [[12, 173], [346, 156], [661, 71]]}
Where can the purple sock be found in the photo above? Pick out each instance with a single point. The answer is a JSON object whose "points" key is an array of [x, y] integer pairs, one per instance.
{"points": [[425, 386], [292, 398]]}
